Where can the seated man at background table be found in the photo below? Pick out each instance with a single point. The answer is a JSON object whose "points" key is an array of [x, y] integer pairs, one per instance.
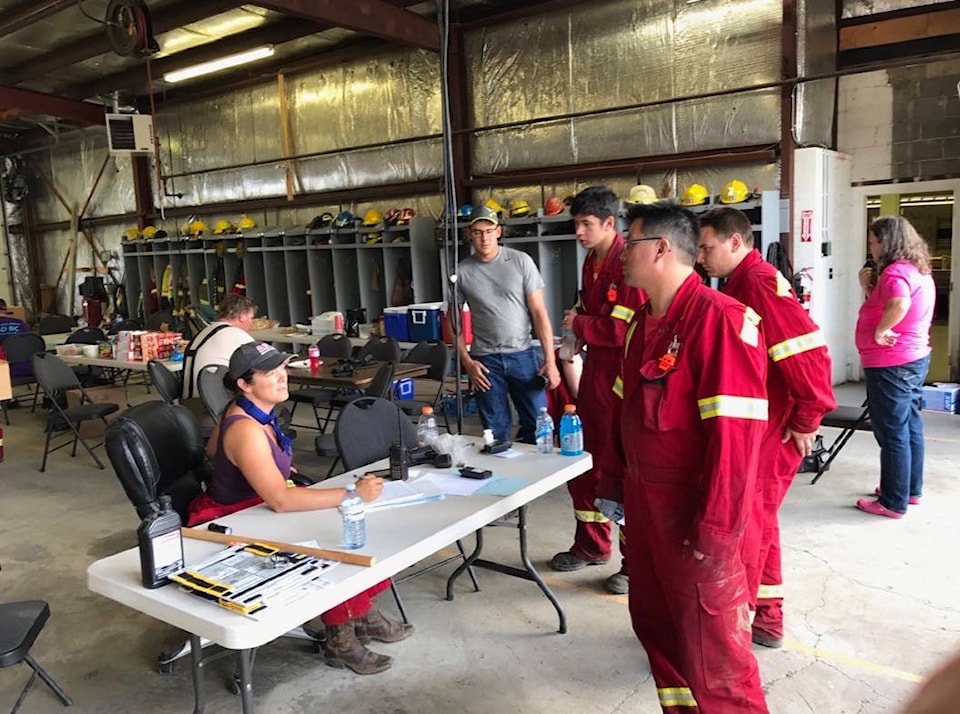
{"points": [[252, 464], [217, 341]]}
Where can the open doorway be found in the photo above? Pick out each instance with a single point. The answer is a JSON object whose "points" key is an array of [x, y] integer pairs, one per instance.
{"points": [[932, 214]]}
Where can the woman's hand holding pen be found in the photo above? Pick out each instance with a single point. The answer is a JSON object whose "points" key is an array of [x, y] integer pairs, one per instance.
{"points": [[369, 487]]}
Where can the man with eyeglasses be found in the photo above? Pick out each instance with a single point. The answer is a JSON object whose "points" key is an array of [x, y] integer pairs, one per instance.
{"points": [[505, 292], [798, 383], [692, 413], [599, 320]]}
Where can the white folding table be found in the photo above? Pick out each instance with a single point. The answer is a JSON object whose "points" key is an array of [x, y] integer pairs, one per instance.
{"points": [[397, 538]]}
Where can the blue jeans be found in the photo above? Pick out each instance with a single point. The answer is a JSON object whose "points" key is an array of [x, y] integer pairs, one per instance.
{"points": [[511, 375], [894, 395]]}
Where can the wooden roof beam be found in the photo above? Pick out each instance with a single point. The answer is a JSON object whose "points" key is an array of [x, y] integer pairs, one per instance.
{"points": [[369, 17]]}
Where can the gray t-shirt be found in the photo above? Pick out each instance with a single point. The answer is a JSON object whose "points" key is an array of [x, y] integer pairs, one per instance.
{"points": [[497, 292]]}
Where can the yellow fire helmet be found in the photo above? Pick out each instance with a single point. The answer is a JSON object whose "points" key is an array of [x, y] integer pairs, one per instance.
{"points": [[222, 226], [494, 206], [519, 208], [246, 223], [133, 233], [196, 227], [735, 192], [641, 193], [373, 217], [695, 195], [149, 232]]}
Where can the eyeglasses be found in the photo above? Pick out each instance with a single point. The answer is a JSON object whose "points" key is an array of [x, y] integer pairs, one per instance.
{"points": [[482, 232], [633, 241]]}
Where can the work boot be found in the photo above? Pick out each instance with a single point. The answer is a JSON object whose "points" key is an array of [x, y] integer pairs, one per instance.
{"points": [[374, 626], [343, 649], [566, 562], [617, 584]]}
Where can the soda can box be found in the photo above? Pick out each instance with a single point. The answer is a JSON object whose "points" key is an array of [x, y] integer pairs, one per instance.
{"points": [[941, 397]]}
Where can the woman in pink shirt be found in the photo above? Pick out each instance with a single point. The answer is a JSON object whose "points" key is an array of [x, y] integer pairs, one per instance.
{"points": [[893, 338]]}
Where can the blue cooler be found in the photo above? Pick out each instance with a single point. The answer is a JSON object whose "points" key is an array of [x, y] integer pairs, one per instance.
{"points": [[425, 323], [395, 323], [403, 388]]}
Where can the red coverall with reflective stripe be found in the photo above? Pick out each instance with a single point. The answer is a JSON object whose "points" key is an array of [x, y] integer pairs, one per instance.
{"points": [[690, 431], [606, 306], [799, 393]]}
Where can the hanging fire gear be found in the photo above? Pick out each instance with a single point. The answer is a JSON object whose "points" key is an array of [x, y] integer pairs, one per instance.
{"points": [[240, 286]]}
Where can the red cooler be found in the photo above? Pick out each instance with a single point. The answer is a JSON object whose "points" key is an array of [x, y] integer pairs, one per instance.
{"points": [[467, 327]]}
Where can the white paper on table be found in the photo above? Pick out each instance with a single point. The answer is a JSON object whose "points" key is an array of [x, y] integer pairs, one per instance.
{"points": [[452, 484], [403, 493], [510, 453]]}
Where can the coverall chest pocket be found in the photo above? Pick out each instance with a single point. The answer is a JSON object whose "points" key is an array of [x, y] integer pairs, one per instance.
{"points": [[656, 384]]}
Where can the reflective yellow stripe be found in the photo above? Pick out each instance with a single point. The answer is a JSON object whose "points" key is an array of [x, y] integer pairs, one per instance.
{"points": [[676, 697], [749, 332], [618, 387], [626, 341], [783, 286], [590, 516], [622, 312], [623, 535], [797, 345], [768, 592], [727, 405]]}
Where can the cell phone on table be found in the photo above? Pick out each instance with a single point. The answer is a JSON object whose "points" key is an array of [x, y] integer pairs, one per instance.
{"points": [[382, 473]]}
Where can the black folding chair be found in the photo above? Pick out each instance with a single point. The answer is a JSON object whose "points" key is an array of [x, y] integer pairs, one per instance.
{"points": [[56, 378], [435, 355], [379, 387], [382, 349], [20, 625], [335, 346], [213, 391], [20, 349], [363, 434], [848, 420], [167, 383]]}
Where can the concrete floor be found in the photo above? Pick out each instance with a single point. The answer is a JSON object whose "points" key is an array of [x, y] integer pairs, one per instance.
{"points": [[872, 605]]}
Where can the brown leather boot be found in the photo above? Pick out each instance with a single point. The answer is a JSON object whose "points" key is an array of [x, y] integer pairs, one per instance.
{"points": [[343, 649], [374, 626]]}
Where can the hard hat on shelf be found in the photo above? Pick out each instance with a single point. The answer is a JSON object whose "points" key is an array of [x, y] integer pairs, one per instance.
{"points": [[464, 211], [344, 219], [246, 223], [519, 207], [405, 215], [373, 217], [494, 206], [735, 192], [392, 216], [222, 226], [553, 207], [642, 193], [133, 233], [695, 195]]}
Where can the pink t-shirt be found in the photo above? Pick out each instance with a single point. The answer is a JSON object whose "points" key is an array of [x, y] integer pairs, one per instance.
{"points": [[899, 279]]}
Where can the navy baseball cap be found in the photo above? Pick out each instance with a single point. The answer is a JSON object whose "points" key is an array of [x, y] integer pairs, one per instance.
{"points": [[255, 357]]}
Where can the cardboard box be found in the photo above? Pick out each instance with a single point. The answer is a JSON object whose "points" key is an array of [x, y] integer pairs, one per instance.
{"points": [[99, 395], [941, 397], [6, 388]]}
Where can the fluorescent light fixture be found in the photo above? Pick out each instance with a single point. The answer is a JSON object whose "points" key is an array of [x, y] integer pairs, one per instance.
{"points": [[216, 65]]}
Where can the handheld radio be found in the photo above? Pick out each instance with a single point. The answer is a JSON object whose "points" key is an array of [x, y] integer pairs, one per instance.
{"points": [[399, 455]]}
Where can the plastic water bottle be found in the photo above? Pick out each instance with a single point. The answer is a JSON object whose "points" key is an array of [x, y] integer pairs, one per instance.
{"points": [[427, 432], [568, 345], [571, 432], [544, 432], [354, 520]]}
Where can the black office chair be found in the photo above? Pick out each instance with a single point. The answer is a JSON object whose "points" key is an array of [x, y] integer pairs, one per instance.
{"points": [[20, 349], [53, 324], [848, 420], [213, 392], [157, 449], [383, 349], [335, 346], [55, 378], [379, 387], [436, 356], [363, 434], [20, 624]]}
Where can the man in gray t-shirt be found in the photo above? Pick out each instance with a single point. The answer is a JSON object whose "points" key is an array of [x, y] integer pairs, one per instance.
{"points": [[505, 293]]}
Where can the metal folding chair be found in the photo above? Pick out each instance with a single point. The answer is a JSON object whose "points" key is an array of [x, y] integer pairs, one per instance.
{"points": [[848, 420]]}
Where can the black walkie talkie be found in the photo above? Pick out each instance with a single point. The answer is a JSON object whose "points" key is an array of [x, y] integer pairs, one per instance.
{"points": [[399, 455]]}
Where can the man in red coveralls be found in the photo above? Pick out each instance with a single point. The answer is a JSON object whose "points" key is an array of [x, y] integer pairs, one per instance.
{"points": [[693, 410], [599, 321], [798, 388]]}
